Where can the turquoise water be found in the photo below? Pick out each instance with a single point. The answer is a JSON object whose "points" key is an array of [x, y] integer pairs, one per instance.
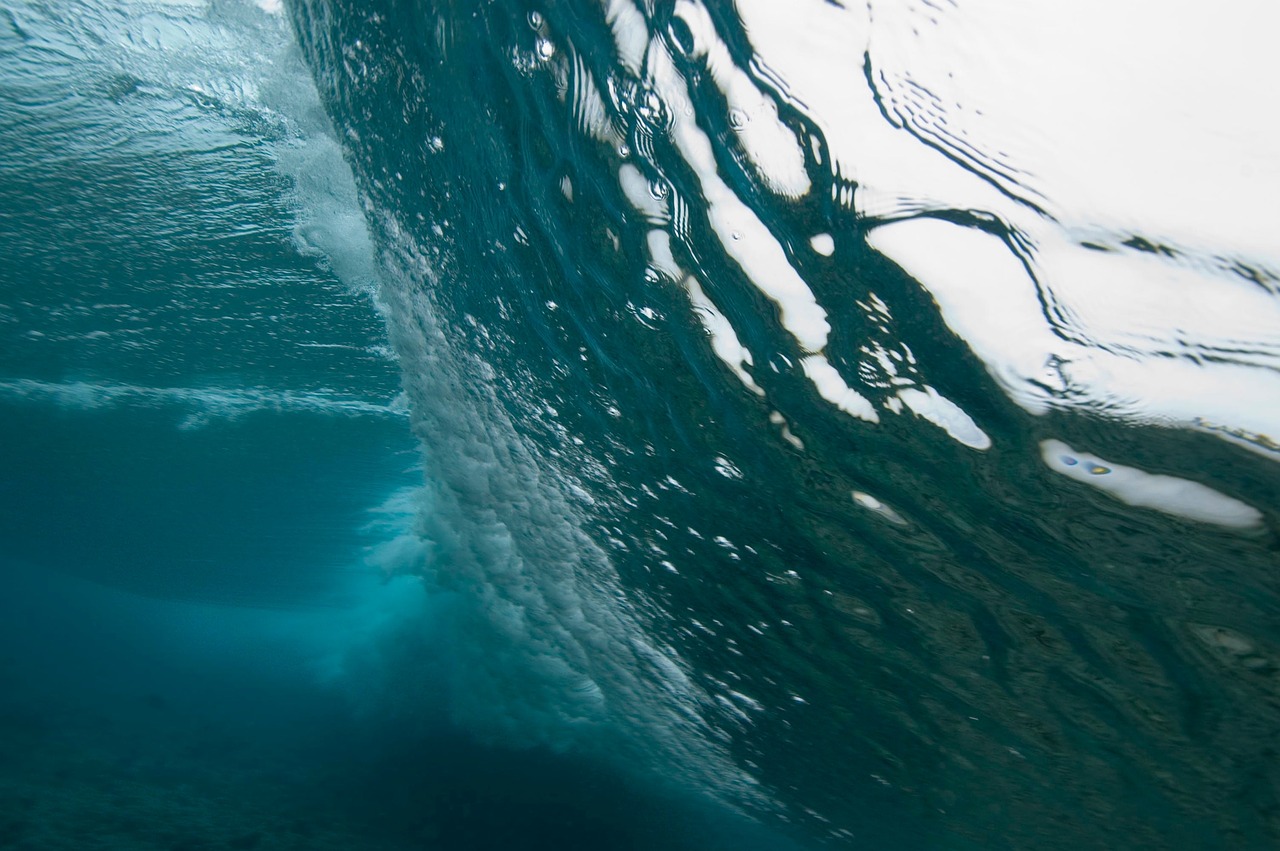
{"points": [[462, 426]]}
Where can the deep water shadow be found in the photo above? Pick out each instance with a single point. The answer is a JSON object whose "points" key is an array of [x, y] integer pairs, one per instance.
{"points": [[446, 791], [152, 725]]}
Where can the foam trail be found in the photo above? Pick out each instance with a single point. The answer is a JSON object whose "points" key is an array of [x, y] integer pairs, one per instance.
{"points": [[552, 653], [204, 403]]}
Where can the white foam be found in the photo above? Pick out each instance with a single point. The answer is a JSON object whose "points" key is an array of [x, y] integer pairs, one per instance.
{"points": [[750, 244], [746, 239], [832, 387], [399, 549], [660, 257], [1144, 369], [724, 340], [1170, 494], [769, 144], [946, 415], [1165, 127], [1163, 134], [823, 244], [985, 297], [875, 506], [203, 403], [630, 33], [638, 192]]}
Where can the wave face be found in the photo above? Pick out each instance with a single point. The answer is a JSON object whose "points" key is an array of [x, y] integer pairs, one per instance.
{"points": [[872, 404]]}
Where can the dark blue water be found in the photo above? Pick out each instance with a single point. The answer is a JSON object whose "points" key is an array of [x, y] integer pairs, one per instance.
{"points": [[429, 425]]}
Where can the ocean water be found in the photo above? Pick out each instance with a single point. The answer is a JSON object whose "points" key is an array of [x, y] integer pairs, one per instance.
{"points": [[594, 424]]}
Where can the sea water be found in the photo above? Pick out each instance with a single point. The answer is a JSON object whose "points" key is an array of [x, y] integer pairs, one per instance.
{"points": [[637, 425]]}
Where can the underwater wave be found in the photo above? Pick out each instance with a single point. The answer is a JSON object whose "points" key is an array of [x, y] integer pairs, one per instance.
{"points": [[862, 415], [842, 388]]}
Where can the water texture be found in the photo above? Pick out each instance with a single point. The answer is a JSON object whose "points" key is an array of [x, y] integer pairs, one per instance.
{"points": [[639, 425]]}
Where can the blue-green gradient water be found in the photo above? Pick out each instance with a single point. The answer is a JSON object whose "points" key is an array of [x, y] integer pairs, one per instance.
{"points": [[566, 425]]}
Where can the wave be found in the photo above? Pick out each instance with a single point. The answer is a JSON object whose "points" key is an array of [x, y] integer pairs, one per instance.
{"points": [[858, 413], [869, 361]]}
